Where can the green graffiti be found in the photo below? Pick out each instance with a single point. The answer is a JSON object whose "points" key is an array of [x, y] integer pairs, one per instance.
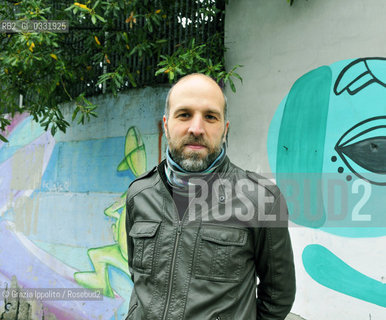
{"points": [[135, 155], [115, 255], [327, 269]]}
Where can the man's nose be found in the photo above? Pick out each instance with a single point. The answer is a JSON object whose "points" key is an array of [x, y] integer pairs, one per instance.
{"points": [[196, 126]]}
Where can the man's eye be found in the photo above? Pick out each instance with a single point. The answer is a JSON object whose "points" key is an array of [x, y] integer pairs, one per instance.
{"points": [[183, 115], [210, 117]]}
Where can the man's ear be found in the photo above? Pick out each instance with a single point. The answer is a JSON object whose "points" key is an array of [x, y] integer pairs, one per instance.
{"points": [[165, 126], [226, 132]]}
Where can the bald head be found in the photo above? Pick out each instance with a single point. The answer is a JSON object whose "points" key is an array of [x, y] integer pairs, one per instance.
{"points": [[194, 122], [198, 84]]}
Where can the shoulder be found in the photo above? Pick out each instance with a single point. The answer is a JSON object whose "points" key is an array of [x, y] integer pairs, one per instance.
{"points": [[144, 181], [270, 208], [146, 175], [258, 180], [264, 182]]}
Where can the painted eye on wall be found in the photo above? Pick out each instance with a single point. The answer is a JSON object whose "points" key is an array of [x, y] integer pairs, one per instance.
{"points": [[363, 150], [359, 74]]}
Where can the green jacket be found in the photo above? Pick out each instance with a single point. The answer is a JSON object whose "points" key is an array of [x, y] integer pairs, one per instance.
{"points": [[202, 268]]}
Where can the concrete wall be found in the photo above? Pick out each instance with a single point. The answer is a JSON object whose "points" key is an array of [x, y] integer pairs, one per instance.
{"points": [[340, 271], [62, 204], [277, 44]]}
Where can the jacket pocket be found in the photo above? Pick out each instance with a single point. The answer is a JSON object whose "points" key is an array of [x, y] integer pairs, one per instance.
{"points": [[220, 254], [144, 239]]}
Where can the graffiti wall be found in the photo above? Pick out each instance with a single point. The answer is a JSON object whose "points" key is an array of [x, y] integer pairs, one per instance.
{"points": [[62, 209], [327, 148]]}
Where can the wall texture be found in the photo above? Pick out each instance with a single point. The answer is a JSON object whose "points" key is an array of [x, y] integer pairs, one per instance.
{"points": [[62, 205], [284, 127]]}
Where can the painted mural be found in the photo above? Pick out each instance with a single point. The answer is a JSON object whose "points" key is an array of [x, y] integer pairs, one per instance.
{"points": [[327, 149], [62, 209], [116, 254]]}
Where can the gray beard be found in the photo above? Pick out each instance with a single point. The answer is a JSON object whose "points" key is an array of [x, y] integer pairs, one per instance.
{"points": [[194, 163]]}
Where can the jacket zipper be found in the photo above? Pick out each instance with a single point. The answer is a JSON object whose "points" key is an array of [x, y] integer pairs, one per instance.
{"points": [[131, 310], [179, 229]]}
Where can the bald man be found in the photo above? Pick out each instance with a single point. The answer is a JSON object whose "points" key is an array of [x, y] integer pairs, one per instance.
{"points": [[200, 230]]}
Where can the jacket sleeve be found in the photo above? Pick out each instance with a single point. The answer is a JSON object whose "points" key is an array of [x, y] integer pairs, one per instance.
{"points": [[274, 267], [130, 245]]}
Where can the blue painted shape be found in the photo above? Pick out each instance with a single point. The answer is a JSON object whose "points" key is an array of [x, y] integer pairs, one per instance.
{"points": [[7, 152], [327, 269], [123, 286], [350, 232], [23, 134], [295, 126], [302, 132], [86, 166], [72, 219]]}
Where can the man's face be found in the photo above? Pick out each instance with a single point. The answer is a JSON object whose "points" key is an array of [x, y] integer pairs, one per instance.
{"points": [[196, 128]]}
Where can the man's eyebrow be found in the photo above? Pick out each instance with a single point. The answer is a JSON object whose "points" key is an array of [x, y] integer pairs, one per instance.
{"points": [[186, 109], [183, 109], [214, 112]]}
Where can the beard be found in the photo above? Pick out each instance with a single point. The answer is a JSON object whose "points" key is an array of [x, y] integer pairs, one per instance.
{"points": [[193, 161]]}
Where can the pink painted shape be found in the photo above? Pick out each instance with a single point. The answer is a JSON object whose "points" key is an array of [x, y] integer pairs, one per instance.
{"points": [[14, 122], [33, 268]]}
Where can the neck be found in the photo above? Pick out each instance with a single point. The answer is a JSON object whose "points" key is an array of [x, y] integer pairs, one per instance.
{"points": [[178, 178]]}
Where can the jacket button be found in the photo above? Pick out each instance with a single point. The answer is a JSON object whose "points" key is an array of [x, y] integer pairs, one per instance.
{"points": [[222, 198]]}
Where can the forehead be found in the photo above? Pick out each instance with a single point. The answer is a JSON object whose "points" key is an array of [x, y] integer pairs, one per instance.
{"points": [[197, 92]]}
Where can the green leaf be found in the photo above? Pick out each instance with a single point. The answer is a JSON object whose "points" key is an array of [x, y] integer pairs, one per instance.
{"points": [[93, 19], [132, 81], [100, 18], [159, 71], [2, 138], [75, 113], [232, 85], [237, 76], [96, 4], [81, 119]]}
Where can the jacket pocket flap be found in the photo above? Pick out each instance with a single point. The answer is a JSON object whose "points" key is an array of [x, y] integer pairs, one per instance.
{"points": [[224, 235], [144, 229]]}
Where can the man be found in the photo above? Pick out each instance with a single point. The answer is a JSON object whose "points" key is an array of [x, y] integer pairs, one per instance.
{"points": [[197, 225]]}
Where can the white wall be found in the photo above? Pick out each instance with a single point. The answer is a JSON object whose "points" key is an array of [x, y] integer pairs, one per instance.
{"points": [[277, 44]]}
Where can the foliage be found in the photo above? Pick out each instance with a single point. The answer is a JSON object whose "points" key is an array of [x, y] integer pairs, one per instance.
{"points": [[107, 42], [191, 59]]}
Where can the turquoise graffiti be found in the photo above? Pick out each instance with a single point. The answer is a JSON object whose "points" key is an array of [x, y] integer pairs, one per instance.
{"points": [[327, 149], [332, 272], [115, 255]]}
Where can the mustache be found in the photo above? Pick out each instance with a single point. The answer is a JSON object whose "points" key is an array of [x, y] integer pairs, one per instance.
{"points": [[193, 139]]}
